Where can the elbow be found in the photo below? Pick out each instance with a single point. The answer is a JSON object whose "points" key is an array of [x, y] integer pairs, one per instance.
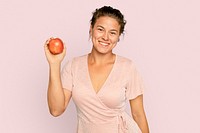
{"points": [[56, 113], [138, 115]]}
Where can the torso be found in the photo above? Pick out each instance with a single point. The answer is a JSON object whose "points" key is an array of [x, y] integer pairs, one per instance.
{"points": [[99, 73], [105, 110]]}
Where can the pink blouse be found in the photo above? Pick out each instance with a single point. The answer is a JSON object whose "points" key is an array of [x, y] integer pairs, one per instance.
{"points": [[104, 111]]}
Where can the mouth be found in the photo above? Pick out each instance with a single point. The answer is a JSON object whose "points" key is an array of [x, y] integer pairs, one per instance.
{"points": [[104, 44]]}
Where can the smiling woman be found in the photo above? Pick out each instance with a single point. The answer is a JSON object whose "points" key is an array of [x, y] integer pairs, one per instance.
{"points": [[105, 34], [99, 82]]}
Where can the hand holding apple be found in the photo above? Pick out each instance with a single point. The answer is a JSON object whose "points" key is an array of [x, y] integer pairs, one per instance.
{"points": [[54, 50], [55, 46]]}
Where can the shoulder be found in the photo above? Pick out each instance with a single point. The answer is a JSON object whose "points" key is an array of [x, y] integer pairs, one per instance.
{"points": [[124, 61], [73, 62], [77, 60]]}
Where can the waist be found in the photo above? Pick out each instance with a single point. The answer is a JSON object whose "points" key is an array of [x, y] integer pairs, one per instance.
{"points": [[114, 124]]}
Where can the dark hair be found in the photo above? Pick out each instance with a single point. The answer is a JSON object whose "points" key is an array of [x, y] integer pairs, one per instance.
{"points": [[111, 12]]}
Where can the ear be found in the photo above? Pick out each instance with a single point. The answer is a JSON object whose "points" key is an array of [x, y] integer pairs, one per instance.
{"points": [[90, 31], [119, 38]]}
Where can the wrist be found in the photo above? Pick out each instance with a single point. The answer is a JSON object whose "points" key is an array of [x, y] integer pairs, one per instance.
{"points": [[54, 66]]}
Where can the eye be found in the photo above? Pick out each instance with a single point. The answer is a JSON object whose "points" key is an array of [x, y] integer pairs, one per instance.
{"points": [[113, 33], [100, 29]]}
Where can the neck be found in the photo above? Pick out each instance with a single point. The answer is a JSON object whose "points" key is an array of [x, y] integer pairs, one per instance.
{"points": [[99, 59]]}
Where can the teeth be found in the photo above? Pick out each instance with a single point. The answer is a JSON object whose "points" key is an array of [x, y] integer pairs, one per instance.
{"points": [[105, 44]]}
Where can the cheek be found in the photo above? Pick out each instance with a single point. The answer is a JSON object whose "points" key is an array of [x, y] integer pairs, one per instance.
{"points": [[97, 35], [115, 40]]}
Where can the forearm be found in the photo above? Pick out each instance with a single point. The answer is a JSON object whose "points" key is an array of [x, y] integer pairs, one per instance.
{"points": [[142, 123], [56, 97], [138, 113]]}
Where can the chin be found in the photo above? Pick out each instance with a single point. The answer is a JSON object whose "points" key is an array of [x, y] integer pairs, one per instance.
{"points": [[104, 52]]}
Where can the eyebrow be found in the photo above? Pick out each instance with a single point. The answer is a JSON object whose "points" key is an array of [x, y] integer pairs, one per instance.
{"points": [[104, 28]]}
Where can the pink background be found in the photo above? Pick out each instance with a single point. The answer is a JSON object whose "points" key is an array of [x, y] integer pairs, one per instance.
{"points": [[162, 37]]}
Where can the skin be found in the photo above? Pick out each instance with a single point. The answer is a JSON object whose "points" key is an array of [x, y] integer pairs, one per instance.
{"points": [[104, 35]]}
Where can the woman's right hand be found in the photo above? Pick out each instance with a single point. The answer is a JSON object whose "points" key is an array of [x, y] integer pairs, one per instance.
{"points": [[51, 58]]}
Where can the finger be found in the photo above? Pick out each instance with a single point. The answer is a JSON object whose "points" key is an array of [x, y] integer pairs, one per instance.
{"points": [[46, 46], [46, 49], [47, 41], [65, 46], [64, 50]]}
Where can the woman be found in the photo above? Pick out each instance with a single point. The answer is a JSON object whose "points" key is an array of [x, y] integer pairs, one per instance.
{"points": [[99, 82]]}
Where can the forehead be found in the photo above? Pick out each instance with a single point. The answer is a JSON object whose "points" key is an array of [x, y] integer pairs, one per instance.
{"points": [[107, 22]]}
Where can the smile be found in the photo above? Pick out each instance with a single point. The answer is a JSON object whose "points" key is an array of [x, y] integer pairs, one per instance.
{"points": [[104, 44]]}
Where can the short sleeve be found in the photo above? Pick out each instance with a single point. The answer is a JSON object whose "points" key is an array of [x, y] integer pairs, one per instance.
{"points": [[135, 86], [66, 76]]}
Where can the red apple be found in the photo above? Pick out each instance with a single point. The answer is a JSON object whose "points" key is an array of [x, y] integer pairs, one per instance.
{"points": [[55, 46]]}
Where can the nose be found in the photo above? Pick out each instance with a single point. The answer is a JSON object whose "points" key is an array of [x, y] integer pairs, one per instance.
{"points": [[105, 36]]}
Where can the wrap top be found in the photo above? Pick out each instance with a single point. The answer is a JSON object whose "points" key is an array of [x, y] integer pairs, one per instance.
{"points": [[103, 111]]}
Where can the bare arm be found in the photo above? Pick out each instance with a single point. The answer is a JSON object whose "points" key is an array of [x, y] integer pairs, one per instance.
{"points": [[138, 113], [58, 98]]}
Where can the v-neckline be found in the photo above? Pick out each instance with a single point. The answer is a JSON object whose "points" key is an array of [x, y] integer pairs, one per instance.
{"points": [[107, 79]]}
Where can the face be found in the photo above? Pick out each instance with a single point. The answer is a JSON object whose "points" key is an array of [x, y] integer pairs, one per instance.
{"points": [[105, 34]]}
